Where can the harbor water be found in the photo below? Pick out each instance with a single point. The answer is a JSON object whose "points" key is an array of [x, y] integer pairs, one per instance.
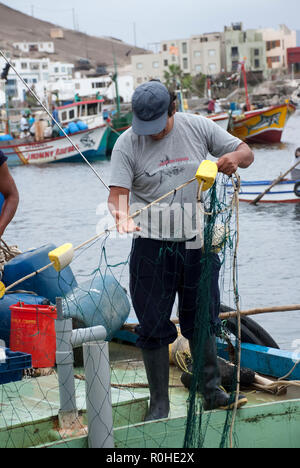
{"points": [[64, 202]]}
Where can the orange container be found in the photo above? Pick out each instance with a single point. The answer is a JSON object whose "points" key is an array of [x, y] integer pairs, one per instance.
{"points": [[33, 332]]}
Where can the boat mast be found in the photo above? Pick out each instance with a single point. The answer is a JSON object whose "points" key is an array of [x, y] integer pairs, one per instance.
{"points": [[246, 85], [115, 79]]}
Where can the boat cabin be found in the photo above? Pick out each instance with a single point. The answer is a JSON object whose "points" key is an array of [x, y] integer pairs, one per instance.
{"points": [[89, 112]]}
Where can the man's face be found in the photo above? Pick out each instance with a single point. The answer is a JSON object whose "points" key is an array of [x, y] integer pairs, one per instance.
{"points": [[165, 131]]}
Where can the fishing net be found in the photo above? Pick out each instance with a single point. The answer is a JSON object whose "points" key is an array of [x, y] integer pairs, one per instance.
{"points": [[103, 297]]}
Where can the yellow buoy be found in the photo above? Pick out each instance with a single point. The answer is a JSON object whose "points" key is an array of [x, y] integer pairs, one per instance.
{"points": [[206, 174]]}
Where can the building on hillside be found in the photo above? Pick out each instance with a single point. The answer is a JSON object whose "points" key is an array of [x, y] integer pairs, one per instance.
{"points": [[34, 71], [277, 42], [28, 47], [246, 46], [87, 88], [198, 54]]}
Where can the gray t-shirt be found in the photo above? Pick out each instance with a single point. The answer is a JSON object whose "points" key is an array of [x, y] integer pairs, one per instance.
{"points": [[150, 169]]}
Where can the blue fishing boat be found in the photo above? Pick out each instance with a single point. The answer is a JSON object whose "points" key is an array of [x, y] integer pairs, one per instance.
{"points": [[286, 191]]}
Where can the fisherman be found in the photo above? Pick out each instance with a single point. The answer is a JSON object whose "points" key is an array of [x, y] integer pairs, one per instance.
{"points": [[10, 194], [161, 151], [295, 173]]}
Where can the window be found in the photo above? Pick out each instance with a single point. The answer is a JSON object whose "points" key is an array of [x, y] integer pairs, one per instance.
{"points": [[184, 47], [64, 116], [56, 70], [34, 66], [72, 114], [139, 66], [63, 69], [185, 63], [211, 52], [77, 85], [24, 65], [198, 68], [212, 67], [165, 47], [256, 52], [44, 66], [273, 44], [275, 59], [166, 63], [155, 64], [256, 63], [197, 53], [92, 109], [234, 51]]}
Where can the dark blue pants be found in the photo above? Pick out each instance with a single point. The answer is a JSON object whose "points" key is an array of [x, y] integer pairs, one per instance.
{"points": [[159, 270]]}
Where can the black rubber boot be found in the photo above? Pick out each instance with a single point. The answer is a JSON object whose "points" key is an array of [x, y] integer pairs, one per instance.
{"points": [[213, 394], [157, 364]]}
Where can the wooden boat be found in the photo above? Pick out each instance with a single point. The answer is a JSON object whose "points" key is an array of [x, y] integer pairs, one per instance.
{"points": [[268, 421], [286, 191], [221, 119], [91, 142], [263, 125]]}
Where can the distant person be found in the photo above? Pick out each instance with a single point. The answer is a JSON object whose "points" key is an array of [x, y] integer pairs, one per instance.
{"points": [[218, 108], [295, 173], [24, 125], [77, 98], [10, 193], [211, 107]]}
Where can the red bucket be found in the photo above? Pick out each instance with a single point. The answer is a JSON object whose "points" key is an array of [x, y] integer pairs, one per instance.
{"points": [[33, 332]]}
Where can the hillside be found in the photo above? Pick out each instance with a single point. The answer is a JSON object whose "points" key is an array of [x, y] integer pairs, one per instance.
{"points": [[18, 27]]}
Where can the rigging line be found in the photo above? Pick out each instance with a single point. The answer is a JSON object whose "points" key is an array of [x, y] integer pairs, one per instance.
{"points": [[101, 234], [53, 119], [238, 310]]}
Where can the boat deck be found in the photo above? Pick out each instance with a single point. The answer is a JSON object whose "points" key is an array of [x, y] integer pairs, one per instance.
{"points": [[29, 408]]}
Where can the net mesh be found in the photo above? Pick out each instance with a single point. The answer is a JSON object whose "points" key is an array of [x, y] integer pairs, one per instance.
{"points": [[30, 404]]}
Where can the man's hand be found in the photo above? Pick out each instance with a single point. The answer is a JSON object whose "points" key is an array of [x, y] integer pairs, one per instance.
{"points": [[118, 204], [124, 223], [230, 162]]}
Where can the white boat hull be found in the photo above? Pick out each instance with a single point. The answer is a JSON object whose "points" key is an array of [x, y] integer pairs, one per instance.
{"points": [[91, 143], [220, 119]]}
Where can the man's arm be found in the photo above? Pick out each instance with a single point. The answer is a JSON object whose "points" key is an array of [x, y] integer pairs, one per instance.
{"points": [[9, 190], [230, 162], [118, 204]]}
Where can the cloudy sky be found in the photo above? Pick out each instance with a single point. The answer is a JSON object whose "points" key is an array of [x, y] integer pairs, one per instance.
{"points": [[147, 22]]}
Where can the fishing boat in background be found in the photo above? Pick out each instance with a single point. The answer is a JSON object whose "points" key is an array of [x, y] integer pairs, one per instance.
{"points": [[91, 142], [220, 119], [263, 125], [286, 191]]}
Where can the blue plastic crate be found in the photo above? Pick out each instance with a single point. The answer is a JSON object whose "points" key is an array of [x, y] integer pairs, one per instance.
{"points": [[12, 369]]}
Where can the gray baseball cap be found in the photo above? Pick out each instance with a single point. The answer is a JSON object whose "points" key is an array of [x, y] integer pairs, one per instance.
{"points": [[150, 103]]}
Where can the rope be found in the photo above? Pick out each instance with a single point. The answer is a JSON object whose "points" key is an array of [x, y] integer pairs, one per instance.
{"points": [[237, 303], [54, 120]]}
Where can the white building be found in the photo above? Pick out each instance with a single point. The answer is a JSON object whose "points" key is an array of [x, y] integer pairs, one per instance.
{"points": [[34, 71], [87, 88], [42, 47]]}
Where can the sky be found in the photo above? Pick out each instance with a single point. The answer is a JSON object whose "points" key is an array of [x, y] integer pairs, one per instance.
{"points": [[144, 23]]}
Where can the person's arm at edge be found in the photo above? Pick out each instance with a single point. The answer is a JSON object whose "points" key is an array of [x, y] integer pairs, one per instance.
{"points": [[242, 157], [11, 195]]}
